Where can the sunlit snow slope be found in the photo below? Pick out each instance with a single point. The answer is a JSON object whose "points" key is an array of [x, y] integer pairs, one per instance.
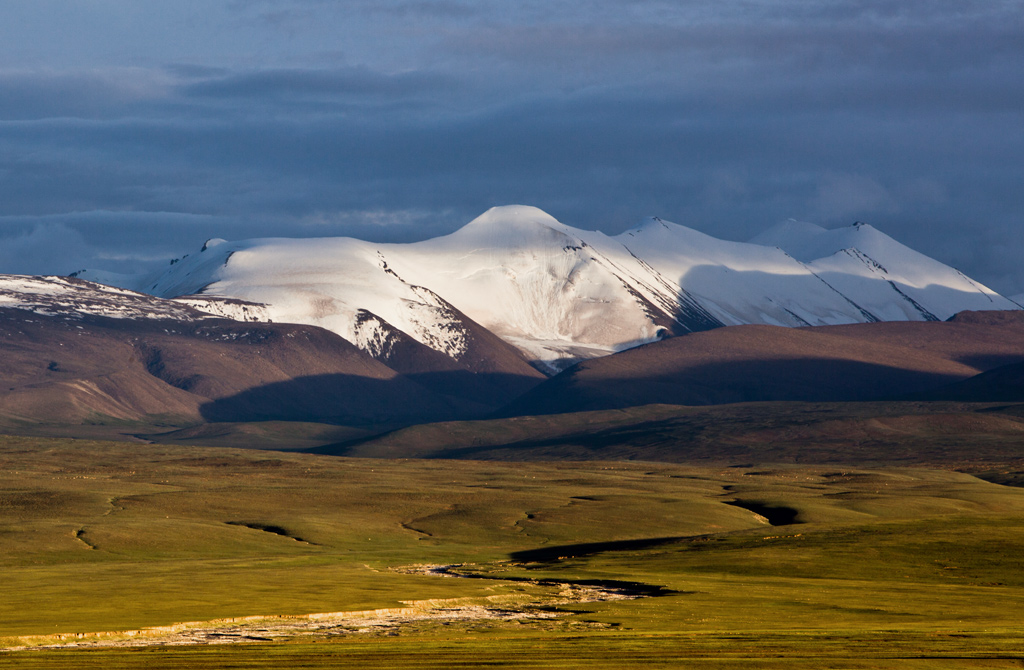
{"points": [[73, 298], [560, 294]]}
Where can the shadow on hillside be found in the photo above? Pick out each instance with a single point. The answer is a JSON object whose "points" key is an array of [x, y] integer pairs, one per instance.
{"points": [[492, 389], [347, 400], [864, 432], [547, 554], [989, 362], [797, 379], [1002, 384]]}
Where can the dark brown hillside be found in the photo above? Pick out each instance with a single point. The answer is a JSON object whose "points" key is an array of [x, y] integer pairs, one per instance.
{"points": [[1002, 384], [58, 369], [74, 352], [975, 437], [857, 362]]}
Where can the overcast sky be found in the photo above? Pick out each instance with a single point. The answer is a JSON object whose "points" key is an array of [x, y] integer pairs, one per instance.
{"points": [[131, 131]]}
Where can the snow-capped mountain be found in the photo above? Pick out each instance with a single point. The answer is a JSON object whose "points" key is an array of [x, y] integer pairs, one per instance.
{"points": [[76, 351], [560, 294], [890, 280]]}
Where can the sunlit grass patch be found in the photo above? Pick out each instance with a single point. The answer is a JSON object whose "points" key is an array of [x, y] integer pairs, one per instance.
{"points": [[904, 566]]}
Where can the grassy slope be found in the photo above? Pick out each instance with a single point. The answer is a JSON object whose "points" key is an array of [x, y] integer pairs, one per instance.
{"points": [[895, 568]]}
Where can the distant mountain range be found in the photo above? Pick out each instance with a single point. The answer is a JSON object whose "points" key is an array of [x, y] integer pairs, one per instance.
{"points": [[559, 294], [473, 324]]}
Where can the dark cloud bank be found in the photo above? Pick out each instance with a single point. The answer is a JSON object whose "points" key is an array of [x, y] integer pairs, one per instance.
{"points": [[403, 120]]}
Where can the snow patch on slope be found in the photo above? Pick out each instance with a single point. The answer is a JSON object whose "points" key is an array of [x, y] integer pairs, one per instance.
{"points": [[64, 296], [227, 308], [372, 334]]}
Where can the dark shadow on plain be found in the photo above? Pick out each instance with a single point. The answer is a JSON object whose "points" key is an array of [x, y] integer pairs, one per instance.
{"points": [[777, 515], [269, 528], [638, 589], [548, 554]]}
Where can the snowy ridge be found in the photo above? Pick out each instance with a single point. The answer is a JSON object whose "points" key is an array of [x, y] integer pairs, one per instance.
{"points": [[69, 297], [561, 294], [226, 308], [892, 281]]}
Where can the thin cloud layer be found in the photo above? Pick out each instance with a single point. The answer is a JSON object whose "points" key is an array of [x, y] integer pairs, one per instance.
{"points": [[402, 120]]}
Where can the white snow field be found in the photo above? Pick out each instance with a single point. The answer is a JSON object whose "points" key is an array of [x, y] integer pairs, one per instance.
{"points": [[561, 294], [63, 296]]}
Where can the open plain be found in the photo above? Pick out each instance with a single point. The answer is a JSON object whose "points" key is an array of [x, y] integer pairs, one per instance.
{"points": [[119, 555]]}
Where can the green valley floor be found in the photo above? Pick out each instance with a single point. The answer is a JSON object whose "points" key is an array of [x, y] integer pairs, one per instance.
{"points": [[117, 555]]}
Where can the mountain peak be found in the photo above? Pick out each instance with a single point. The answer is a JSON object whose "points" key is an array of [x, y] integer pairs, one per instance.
{"points": [[656, 224], [212, 242], [860, 226], [510, 225], [807, 241], [514, 215], [649, 223]]}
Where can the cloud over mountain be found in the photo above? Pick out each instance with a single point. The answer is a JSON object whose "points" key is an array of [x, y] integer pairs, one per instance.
{"points": [[305, 118]]}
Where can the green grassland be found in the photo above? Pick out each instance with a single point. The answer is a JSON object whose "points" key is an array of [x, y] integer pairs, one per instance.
{"points": [[870, 567]]}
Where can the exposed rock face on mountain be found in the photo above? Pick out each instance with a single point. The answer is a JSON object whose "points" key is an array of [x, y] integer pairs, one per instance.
{"points": [[559, 294], [72, 352], [856, 362]]}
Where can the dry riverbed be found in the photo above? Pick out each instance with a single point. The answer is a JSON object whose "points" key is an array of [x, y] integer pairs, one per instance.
{"points": [[538, 604]]}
